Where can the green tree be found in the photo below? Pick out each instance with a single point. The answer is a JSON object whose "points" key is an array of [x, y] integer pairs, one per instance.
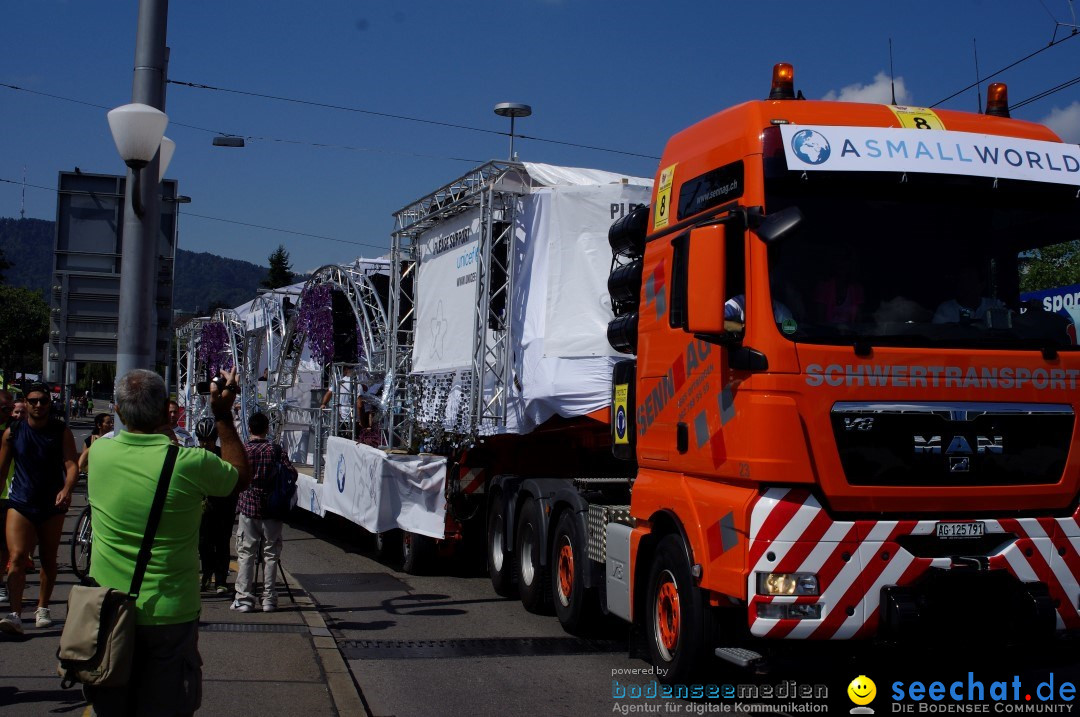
{"points": [[1052, 266], [280, 273], [4, 264], [24, 328]]}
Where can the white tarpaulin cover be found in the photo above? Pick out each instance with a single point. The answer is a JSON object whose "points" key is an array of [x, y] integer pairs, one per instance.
{"points": [[380, 491], [446, 295], [561, 307], [559, 310]]}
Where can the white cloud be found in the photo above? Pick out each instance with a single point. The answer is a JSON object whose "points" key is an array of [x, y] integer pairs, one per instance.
{"points": [[1066, 122], [878, 92]]}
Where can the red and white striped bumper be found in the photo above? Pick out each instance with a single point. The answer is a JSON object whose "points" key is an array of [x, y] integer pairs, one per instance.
{"points": [[791, 533]]}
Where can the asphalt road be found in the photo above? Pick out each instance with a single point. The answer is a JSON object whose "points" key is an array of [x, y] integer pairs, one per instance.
{"points": [[444, 643]]}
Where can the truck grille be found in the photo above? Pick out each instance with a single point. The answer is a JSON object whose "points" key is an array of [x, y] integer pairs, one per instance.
{"points": [[952, 444]]}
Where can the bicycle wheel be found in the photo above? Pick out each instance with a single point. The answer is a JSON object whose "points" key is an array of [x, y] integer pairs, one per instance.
{"points": [[81, 538]]}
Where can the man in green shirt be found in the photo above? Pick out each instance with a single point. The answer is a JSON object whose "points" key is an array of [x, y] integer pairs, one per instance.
{"points": [[122, 478]]}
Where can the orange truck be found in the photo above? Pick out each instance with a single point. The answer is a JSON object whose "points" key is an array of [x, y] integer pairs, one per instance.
{"points": [[840, 421]]}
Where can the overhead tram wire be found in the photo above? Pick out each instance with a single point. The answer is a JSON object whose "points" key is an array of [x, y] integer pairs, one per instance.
{"points": [[92, 104], [220, 219], [320, 145], [407, 118], [1053, 43], [324, 145], [1045, 93]]}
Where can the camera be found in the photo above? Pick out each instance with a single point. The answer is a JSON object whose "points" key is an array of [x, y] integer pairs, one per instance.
{"points": [[203, 387]]}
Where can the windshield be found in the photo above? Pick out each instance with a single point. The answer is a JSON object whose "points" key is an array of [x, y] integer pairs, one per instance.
{"points": [[921, 259]]}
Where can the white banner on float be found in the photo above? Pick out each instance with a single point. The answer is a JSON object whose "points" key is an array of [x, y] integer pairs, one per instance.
{"points": [[309, 495], [380, 492], [446, 295], [883, 149]]}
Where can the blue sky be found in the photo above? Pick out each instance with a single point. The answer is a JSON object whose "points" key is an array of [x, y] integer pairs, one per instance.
{"points": [[622, 75]]}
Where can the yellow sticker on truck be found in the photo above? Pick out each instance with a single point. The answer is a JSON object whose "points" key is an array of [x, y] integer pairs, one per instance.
{"points": [[662, 208], [917, 117]]}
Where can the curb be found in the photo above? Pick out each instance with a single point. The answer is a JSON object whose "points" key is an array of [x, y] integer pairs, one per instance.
{"points": [[343, 688]]}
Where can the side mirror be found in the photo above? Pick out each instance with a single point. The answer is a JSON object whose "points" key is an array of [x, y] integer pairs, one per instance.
{"points": [[705, 252], [779, 225]]}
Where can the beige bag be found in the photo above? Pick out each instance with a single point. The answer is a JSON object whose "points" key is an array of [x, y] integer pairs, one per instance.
{"points": [[98, 639]]}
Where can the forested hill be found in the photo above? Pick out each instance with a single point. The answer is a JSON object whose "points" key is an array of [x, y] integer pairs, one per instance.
{"points": [[203, 280]]}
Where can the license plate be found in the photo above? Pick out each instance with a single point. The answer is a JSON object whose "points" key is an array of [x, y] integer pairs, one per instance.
{"points": [[961, 530]]}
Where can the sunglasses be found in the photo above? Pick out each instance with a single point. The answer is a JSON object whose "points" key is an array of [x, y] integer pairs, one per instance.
{"points": [[37, 401]]}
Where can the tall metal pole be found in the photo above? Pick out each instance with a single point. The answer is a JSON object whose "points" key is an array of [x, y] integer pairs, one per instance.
{"points": [[136, 340]]}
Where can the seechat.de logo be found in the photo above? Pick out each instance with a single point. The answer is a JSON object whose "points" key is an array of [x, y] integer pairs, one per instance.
{"points": [[811, 147]]}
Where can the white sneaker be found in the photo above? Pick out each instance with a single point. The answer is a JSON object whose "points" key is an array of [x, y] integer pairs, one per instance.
{"points": [[42, 617], [269, 605], [11, 623], [242, 606]]}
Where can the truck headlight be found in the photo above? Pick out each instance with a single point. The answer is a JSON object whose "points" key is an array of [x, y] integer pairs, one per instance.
{"points": [[787, 584]]}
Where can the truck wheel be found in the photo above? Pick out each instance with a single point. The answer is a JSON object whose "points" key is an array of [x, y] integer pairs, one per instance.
{"points": [[387, 545], [674, 615], [534, 580], [574, 604], [414, 551], [499, 556]]}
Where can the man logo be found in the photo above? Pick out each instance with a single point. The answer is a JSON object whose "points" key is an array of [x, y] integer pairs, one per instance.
{"points": [[811, 147], [959, 445]]}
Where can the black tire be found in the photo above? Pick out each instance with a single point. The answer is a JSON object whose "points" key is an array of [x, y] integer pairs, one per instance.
{"points": [[533, 579], [674, 613], [414, 552], [575, 605], [81, 541], [387, 546], [500, 559]]}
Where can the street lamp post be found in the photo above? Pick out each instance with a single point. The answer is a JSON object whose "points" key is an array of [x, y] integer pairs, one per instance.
{"points": [[138, 135]]}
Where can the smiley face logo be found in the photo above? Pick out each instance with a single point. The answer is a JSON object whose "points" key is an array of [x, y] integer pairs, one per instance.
{"points": [[862, 690]]}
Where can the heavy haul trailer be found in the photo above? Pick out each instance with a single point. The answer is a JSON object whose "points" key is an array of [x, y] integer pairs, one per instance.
{"points": [[840, 422], [498, 312]]}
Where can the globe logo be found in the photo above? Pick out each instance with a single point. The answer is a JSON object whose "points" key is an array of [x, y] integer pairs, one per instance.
{"points": [[341, 474], [811, 147], [620, 422]]}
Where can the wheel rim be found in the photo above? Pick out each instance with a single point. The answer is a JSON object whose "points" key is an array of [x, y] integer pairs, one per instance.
{"points": [[497, 548], [528, 570], [667, 617], [566, 571]]}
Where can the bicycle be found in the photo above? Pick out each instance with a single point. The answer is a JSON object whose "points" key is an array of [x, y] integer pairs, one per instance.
{"points": [[81, 540]]}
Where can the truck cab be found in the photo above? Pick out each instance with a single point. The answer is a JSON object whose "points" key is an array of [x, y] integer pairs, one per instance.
{"points": [[846, 422]]}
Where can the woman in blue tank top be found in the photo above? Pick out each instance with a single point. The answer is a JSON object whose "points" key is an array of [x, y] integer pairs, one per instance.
{"points": [[43, 451]]}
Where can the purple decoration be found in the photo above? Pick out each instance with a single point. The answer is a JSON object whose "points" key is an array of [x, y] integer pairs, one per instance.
{"points": [[315, 320], [213, 352]]}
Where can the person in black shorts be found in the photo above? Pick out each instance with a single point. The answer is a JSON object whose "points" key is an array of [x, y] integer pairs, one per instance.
{"points": [[43, 451], [219, 516], [7, 404]]}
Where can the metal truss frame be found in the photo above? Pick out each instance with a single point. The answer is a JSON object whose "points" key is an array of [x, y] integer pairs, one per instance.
{"points": [[370, 313], [493, 188]]}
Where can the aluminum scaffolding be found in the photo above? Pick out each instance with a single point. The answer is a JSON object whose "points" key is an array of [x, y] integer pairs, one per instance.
{"points": [[493, 188]]}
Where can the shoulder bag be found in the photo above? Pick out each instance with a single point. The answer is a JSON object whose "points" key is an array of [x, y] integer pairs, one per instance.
{"points": [[98, 641]]}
